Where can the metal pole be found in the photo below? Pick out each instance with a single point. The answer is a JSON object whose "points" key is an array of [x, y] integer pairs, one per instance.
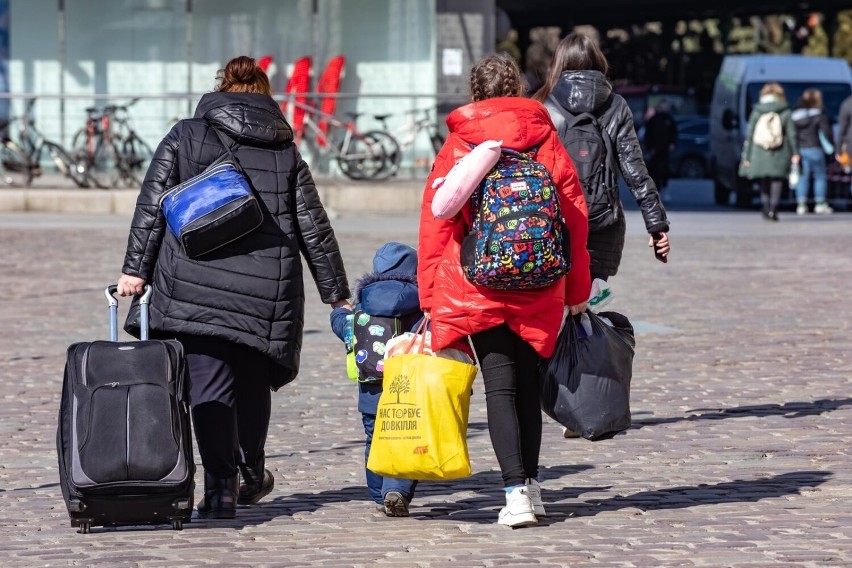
{"points": [[189, 55], [62, 56]]}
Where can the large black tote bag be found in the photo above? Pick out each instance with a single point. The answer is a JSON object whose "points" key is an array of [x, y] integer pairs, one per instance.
{"points": [[585, 385]]}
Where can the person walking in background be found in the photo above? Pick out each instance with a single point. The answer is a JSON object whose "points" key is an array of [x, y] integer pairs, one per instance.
{"points": [[576, 83], [844, 134], [815, 139], [239, 311], [386, 299], [660, 142], [510, 329], [770, 147]]}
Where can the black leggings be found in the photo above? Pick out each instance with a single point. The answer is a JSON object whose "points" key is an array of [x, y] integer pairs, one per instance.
{"points": [[770, 193], [510, 372], [231, 402]]}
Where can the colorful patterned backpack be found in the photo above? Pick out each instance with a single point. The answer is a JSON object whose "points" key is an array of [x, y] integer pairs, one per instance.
{"points": [[366, 345], [518, 240]]}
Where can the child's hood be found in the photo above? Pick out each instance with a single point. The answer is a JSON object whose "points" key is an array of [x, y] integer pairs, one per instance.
{"points": [[388, 294], [391, 289]]}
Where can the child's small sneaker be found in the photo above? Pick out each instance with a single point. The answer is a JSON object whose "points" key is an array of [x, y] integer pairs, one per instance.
{"points": [[395, 504], [518, 511], [823, 209], [534, 489], [801, 209]]}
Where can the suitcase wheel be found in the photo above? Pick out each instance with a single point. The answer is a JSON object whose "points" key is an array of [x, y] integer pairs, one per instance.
{"points": [[177, 525], [85, 527]]}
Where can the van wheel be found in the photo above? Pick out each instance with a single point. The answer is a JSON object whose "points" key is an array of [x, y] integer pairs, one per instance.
{"points": [[691, 167], [720, 193], [744, 193]]}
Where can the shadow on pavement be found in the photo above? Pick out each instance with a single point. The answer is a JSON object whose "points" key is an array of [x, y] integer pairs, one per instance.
{"points": [[737, 491], [486, 483], [787, 410]]}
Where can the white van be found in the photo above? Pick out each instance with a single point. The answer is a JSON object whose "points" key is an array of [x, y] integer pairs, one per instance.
{"points": [[737, 88]]}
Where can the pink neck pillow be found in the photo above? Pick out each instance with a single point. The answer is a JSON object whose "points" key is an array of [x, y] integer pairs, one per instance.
{"points": [[455, 189]]}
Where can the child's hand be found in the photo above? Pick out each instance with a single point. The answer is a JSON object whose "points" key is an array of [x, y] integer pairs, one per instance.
{"points": [[342, 304]]}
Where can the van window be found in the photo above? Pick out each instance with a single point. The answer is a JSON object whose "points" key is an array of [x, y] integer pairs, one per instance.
{"points": [[833, 95]]}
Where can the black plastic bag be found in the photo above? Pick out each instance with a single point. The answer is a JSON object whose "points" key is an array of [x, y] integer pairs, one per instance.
{"points": [[585, 385]]}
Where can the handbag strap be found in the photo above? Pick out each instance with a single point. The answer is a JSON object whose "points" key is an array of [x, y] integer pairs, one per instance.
{"points": [[419, 332], [226, 143]]}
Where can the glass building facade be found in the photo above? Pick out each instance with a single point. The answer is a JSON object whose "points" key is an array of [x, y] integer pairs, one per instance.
{"points": [[81, 53]]}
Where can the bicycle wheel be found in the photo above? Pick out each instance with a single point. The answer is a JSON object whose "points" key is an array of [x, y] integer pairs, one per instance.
{"points": [[136, 155], [102, 168], [437, 141], [75, 169], [15, 170], [363, 158], [393, 153]]}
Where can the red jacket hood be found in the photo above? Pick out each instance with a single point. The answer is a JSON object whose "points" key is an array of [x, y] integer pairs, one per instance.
{"points": [[520, 123]]}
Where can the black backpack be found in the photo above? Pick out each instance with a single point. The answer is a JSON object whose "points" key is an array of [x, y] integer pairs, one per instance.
{"points": [[594, 155]]}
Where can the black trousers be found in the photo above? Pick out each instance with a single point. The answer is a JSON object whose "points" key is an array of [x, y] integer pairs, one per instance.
{"points": [[510, 372], [231, 402]]}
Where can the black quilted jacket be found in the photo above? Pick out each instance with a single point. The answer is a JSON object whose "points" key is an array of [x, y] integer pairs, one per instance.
{"points": [[250, 292], [589, 91]]}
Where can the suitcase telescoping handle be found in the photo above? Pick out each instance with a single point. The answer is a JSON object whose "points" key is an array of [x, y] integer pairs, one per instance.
{"points": [[113, 312]]}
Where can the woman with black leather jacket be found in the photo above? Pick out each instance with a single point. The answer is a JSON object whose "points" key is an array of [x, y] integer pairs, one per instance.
{"points": [[576, 83], [239, 310]]}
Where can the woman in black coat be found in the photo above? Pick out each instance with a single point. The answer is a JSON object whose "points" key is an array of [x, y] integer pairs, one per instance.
{"points": [[239, 310], [576, 83]]}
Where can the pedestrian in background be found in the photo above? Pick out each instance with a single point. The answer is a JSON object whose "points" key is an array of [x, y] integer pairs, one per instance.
{"points": [[844, 135], [660, 142], [816, 140], [770, 147], [239, 311], [577, 83], [386, 300], [510, 329]]}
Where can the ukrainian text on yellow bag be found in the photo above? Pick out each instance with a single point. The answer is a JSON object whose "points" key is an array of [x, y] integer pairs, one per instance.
{"points": [[421, 422]]}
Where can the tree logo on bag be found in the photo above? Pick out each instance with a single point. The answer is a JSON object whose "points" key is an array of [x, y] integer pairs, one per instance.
{"points": [[400, 384], [393, 419]]}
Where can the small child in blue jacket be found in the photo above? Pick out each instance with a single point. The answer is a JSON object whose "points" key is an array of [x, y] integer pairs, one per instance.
{"points": [[386, 304]]}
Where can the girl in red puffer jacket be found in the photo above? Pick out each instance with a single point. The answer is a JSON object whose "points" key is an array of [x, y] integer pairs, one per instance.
{"points": [[510, 329]]}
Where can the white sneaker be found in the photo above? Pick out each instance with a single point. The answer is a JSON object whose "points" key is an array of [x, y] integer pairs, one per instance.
{"points": [[823, 209], [518, 511], [534, 489], [801, 209]]}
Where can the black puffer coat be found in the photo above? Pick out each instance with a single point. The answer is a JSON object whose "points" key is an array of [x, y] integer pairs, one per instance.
{"points": [[250, 292], [589, 91]]}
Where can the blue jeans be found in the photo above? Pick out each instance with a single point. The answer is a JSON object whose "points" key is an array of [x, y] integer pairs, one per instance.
{"points": [[813, 159], [379, 486]]}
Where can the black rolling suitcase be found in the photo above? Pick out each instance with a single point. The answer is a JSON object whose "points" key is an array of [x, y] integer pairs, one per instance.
{"points": [[124, 440]]}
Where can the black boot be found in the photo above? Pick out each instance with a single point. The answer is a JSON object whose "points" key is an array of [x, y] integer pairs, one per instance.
{"points": [[220, 497], [257, 482]]}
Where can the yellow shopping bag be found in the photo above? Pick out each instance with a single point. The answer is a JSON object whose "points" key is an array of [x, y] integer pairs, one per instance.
{"points": [[421, 422]]}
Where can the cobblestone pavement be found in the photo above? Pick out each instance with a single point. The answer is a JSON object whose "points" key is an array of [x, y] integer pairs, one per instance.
{"points": [[739, 454]]}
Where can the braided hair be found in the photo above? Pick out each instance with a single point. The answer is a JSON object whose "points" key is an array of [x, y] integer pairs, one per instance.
{"points": [[495, 75]]}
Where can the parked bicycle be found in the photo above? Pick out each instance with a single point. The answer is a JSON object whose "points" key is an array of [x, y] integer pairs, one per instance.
{"points": [[406, 135], [111, 148], [23, 146], [359, 155]]}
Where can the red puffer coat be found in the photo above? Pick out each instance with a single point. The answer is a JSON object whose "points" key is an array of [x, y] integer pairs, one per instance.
{"points": [[458, 307]]}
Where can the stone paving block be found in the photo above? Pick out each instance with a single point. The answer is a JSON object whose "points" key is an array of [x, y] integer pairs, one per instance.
{"points": [[738, 455]]}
